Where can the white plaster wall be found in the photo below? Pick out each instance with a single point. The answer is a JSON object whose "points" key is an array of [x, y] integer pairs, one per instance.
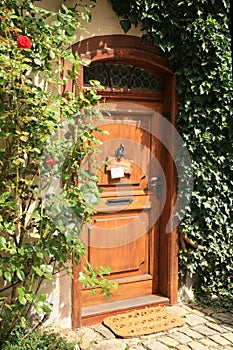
{"points": [[104, 22], [60, 297]]}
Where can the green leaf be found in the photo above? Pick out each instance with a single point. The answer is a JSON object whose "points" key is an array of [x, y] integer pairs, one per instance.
{"points": [[21, 297], [39, 255], [2, 242], [7, 276], [125, 25], [47, 308], [41, 298], [23, 322], [37, 61], [20, 274]]}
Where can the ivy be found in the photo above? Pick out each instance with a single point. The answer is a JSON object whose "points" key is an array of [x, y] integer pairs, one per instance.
{"points": [[194, 36]]}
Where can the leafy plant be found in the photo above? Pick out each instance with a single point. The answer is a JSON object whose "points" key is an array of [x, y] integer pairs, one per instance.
{"points": [[195, 38], [24, 339], [35, 244]]}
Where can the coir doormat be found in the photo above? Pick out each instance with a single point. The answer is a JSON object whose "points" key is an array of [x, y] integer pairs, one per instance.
{"points": [[142, 322]]}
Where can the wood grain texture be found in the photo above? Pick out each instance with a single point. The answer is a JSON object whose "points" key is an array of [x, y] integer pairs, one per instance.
{"points": [[154, 253]]}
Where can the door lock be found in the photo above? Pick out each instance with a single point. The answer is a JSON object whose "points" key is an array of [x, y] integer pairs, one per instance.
{"points": [[156, 184]]}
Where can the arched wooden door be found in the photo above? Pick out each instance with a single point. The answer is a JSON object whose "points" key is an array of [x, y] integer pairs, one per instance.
{"points": [[128, 230]]}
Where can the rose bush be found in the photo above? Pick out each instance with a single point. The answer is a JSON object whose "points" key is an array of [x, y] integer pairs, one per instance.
{"points": [[32, 74]]}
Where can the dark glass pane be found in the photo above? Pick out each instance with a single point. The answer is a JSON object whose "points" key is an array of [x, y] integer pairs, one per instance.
{"points": [[144, 80], [96, 72], [122, 76]]}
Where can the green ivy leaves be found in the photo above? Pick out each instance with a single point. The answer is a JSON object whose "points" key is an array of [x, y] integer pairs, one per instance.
{"points": [[195, 38]]}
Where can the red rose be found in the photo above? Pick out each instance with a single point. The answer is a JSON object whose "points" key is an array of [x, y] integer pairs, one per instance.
{"points": [[24, 42], [50, 161]]}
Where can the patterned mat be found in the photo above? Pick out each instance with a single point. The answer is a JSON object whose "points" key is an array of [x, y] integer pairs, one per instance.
{"points": [[142, 322]]}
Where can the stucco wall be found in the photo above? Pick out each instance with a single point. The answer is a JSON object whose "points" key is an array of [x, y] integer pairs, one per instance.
{"points": [[104, 22]]}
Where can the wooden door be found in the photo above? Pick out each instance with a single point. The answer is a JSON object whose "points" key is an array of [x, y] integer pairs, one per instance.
{"points": [[124, 232], [131, 237]]}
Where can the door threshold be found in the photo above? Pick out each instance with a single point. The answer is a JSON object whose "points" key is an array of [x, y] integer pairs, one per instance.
{"points": [[96, 313]]}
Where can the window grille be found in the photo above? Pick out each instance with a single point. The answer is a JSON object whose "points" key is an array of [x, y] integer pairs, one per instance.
{"points": [[121, 76]]}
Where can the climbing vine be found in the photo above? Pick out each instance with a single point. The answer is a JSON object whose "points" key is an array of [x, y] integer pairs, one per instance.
{"points": [[194, 36]]}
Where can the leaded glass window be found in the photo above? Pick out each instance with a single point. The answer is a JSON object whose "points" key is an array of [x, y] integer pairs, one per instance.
{"points": [[121, 76]]}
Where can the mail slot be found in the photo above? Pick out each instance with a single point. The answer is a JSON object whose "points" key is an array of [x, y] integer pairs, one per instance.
{"points": [[119, 201]]}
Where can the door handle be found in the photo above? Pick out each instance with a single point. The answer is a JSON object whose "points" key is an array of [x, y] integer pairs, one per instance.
{"points": [[156, 184]]}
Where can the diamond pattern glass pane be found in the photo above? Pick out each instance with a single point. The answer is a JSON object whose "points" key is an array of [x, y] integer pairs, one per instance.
{"points": [[122, 76], [96, 72], [142, 79]]}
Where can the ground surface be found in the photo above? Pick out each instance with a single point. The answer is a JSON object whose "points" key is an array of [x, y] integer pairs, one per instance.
{"points": [[204, 329]]}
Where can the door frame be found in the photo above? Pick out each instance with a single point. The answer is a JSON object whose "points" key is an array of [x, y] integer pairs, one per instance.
{"points": [[127, 49]]}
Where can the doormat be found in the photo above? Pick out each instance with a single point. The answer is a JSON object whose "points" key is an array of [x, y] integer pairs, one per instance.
{"points": [[142, 322]]}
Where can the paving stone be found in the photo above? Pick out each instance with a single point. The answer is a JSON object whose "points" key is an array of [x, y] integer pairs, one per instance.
{"points": [[181, 338], [104, 331], [213, 319], [194, 320], [216, 327], [204, 330], [111, 344], [219, 339], [224, 317], [132, 341], [190, 333], [227, 327], [228, 336], [172, 331], [207, 311], [188, 308], [197, 346], [197, 307], [154, 345], [136, 347], [183, 347], [209, 343], [169, 341], [87, 336], [152, 336], [198, 312], [177, 310]]}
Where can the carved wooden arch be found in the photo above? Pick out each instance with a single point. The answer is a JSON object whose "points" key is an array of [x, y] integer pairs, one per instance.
{"points": [[124, 49]]}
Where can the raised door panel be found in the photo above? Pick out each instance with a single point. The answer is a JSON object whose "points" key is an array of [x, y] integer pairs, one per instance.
{"points": [[131, 129], [113, 239]]}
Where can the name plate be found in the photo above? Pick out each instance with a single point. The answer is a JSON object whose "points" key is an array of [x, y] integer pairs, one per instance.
{"points": [[118, 167], [117, 173]]}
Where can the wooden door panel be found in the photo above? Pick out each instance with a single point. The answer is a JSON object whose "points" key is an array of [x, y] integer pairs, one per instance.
{"points": [[116, 252], [133, 132], [115, 257], [120, 235], [131, 289]]}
